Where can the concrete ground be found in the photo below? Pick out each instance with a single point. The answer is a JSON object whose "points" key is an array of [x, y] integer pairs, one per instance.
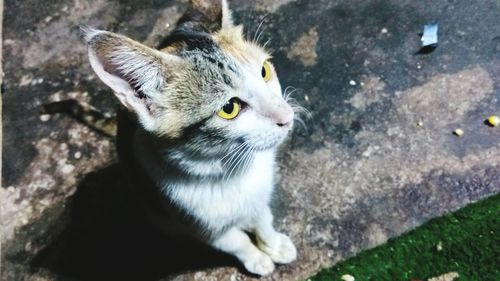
{"points": [[376, 159]]}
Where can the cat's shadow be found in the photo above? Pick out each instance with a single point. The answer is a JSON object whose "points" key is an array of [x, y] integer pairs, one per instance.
{"points": [[107, 238]]}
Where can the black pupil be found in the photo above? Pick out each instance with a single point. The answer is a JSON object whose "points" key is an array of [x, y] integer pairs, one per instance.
{"points": [[263, 72], [228, 107]]}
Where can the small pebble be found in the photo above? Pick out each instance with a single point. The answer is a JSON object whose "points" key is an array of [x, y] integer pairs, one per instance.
{"points": [[494, 120], [28, 247], [66, 169], [384, 30], [347, 277], [458, 132], [450, 276], [306, 98], [44, 117], [352, 83], [439, 246], [77, 155], [420, 124]]}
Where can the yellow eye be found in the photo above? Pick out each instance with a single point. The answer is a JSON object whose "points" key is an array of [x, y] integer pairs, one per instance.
{"points": [[266, 71], [230, 110]]}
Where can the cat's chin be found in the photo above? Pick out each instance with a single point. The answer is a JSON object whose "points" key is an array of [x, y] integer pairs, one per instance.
{"points": [[270, 145]]}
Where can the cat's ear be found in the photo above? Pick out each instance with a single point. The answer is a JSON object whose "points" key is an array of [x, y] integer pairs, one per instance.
{"points": [[207, 16], [137, 74]]}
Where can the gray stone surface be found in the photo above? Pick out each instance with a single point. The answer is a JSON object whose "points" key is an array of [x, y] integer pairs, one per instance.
{"points": [[360, 172]]}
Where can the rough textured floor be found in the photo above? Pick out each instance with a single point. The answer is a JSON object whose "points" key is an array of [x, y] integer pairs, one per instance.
{"points": [[362, 171]]}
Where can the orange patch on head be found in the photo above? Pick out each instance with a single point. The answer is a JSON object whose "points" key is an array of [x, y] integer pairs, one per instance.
{"points": [[231, 41]]}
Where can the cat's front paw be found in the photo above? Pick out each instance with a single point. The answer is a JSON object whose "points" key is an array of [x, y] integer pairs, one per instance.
{"points": [[259, 263], [280, 248]]}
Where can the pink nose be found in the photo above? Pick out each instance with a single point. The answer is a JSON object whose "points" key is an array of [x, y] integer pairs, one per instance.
{"points": [[283, 116]]}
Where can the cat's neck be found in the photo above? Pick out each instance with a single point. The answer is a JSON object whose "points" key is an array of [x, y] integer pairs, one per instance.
{"points": [[169, 161]]}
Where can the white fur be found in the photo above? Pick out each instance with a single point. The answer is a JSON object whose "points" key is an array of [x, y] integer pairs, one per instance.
{"points": [[216, 203], [236, 200], [228, 207]]}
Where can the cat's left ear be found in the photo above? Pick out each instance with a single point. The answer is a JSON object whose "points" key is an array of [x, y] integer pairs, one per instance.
{"points": [[206, 16]]}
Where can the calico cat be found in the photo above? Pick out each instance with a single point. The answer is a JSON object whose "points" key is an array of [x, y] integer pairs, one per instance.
{"points": [[210, 116]]}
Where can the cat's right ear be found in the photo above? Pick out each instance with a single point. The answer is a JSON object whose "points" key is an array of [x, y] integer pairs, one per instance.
{"points": [[137, 74], [207, 16]]}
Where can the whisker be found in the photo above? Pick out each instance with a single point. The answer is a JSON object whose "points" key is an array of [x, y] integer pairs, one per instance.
{"points": [[234, 156], [249, 159], [301, 122], [257, 31], [288, 88], [258, 37], [264, 46], [296, 107], [299, 109], [231, 155], [288, 96], [232, 150], [238, 161], [256, 40]]}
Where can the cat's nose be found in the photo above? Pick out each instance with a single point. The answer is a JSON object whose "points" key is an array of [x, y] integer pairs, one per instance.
{"points": [[284, 116], [284, 124]]}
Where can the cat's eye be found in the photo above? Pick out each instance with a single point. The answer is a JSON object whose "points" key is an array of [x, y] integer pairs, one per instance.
{"points": [[266, 71], [231, 109]]}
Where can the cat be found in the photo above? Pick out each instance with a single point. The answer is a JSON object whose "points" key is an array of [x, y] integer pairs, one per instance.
{"points": [[210, 116]]}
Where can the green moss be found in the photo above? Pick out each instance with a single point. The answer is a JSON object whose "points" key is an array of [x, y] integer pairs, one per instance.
{"points": [[469, 240]]}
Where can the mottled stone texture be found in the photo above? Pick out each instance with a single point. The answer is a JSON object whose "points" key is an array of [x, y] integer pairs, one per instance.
{"points": [[359, 172]]}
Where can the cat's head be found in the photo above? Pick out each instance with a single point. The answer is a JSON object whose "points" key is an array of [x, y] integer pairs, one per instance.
{"points": [[208, 85]]}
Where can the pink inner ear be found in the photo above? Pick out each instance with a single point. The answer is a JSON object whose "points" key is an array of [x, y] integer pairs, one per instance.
{"points": [[112, 69], [130, 71]]}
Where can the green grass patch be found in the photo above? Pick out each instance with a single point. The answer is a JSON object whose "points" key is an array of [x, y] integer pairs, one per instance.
{"points": [[469, 242]]}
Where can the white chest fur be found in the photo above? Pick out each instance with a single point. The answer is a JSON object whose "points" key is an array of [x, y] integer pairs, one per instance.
{"points": [[216, 203], [234, 201]]}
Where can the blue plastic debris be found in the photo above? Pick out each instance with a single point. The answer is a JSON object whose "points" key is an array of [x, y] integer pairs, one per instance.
{"points": [[429, 38]]}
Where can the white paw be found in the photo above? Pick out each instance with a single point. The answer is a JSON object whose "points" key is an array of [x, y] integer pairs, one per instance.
{"points": [[259, 263], [280, 248]]}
